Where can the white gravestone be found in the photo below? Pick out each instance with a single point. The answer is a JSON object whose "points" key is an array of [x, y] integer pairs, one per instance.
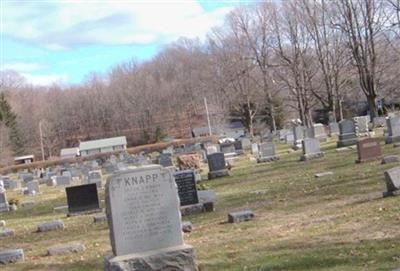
{"points": [[144, 218]]}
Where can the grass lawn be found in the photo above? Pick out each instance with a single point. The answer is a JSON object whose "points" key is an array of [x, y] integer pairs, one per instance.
{"points": [[337, 222]]}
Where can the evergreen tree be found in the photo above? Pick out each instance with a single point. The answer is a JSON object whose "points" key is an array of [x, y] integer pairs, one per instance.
{"points": [[9, 118]]}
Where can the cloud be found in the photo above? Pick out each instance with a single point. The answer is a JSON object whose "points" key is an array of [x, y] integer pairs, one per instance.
{"points": [[45, 80], [22, 66], [65, 24]]}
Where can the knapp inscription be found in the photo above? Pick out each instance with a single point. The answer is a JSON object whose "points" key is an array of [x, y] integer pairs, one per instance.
{"points": [[143, 210]]}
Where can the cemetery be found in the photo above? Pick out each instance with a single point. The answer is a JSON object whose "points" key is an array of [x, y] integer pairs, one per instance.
{"points": [[286, 215], [200, 135]]}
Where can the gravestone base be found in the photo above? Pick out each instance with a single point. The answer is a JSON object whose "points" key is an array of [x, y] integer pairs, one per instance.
{"points": [[192, 209], [346, 142], [178, 258], [85, 212], [359, 161], [218, 174], [267, 159], [310, 156], [390, 193], [392, 139]]}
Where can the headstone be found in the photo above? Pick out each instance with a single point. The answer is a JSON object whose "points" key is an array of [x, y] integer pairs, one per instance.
{"points": [[392, 180], [238, 147], [33, 187], [347, 136], [298, 136], [246, 143], [361, 125], [82, 199], [187, 191], [368, 149], [309, 132], [228, 147], [267, 136], [267, 152], [63, 180], [334, 129], [235, 217], [27, 178], [50, 226], [4, 207], [391, 159], [11, 256], [311, 149], [10, 184], [144, 221], [165, 160], [254, 148], [319, 132], [216, 165], [289, 138], [206, 195], [210, 149], [65, 249], [94, 177], [393, 128]]}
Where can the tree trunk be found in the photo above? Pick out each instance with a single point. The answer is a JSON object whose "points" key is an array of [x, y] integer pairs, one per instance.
{"points": [[373, 110]]}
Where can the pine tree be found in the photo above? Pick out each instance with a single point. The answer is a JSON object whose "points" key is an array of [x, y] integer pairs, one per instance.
{"points": [[9, 118]]}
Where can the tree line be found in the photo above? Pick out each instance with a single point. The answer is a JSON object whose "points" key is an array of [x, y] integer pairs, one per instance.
{"points": [[268, 63]]}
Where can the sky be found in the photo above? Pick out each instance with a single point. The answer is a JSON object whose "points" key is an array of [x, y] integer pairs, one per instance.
{"points": [[54, 41]]}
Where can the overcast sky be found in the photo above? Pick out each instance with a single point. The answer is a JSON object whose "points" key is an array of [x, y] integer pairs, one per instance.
{"points": [[63, 41]]}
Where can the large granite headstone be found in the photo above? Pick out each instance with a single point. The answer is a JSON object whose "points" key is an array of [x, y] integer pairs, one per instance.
{"points": [[267, 152], [311, 149], [393, 130], [145, 222], [216, 165], [368, 149], [187, 191], [347, 136], [82, 199]]}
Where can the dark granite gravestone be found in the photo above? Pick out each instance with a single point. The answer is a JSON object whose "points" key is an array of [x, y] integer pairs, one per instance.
{"points": [[368, 149], [238, 147], [165, 160], [347, 136], [82, 199], [393, 128], [216, 165], [187, 191]]}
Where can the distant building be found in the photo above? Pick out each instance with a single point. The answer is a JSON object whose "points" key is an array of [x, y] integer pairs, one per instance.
{"points": [[234, 130], [102, 145], [26, 159], [69, 152]]}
